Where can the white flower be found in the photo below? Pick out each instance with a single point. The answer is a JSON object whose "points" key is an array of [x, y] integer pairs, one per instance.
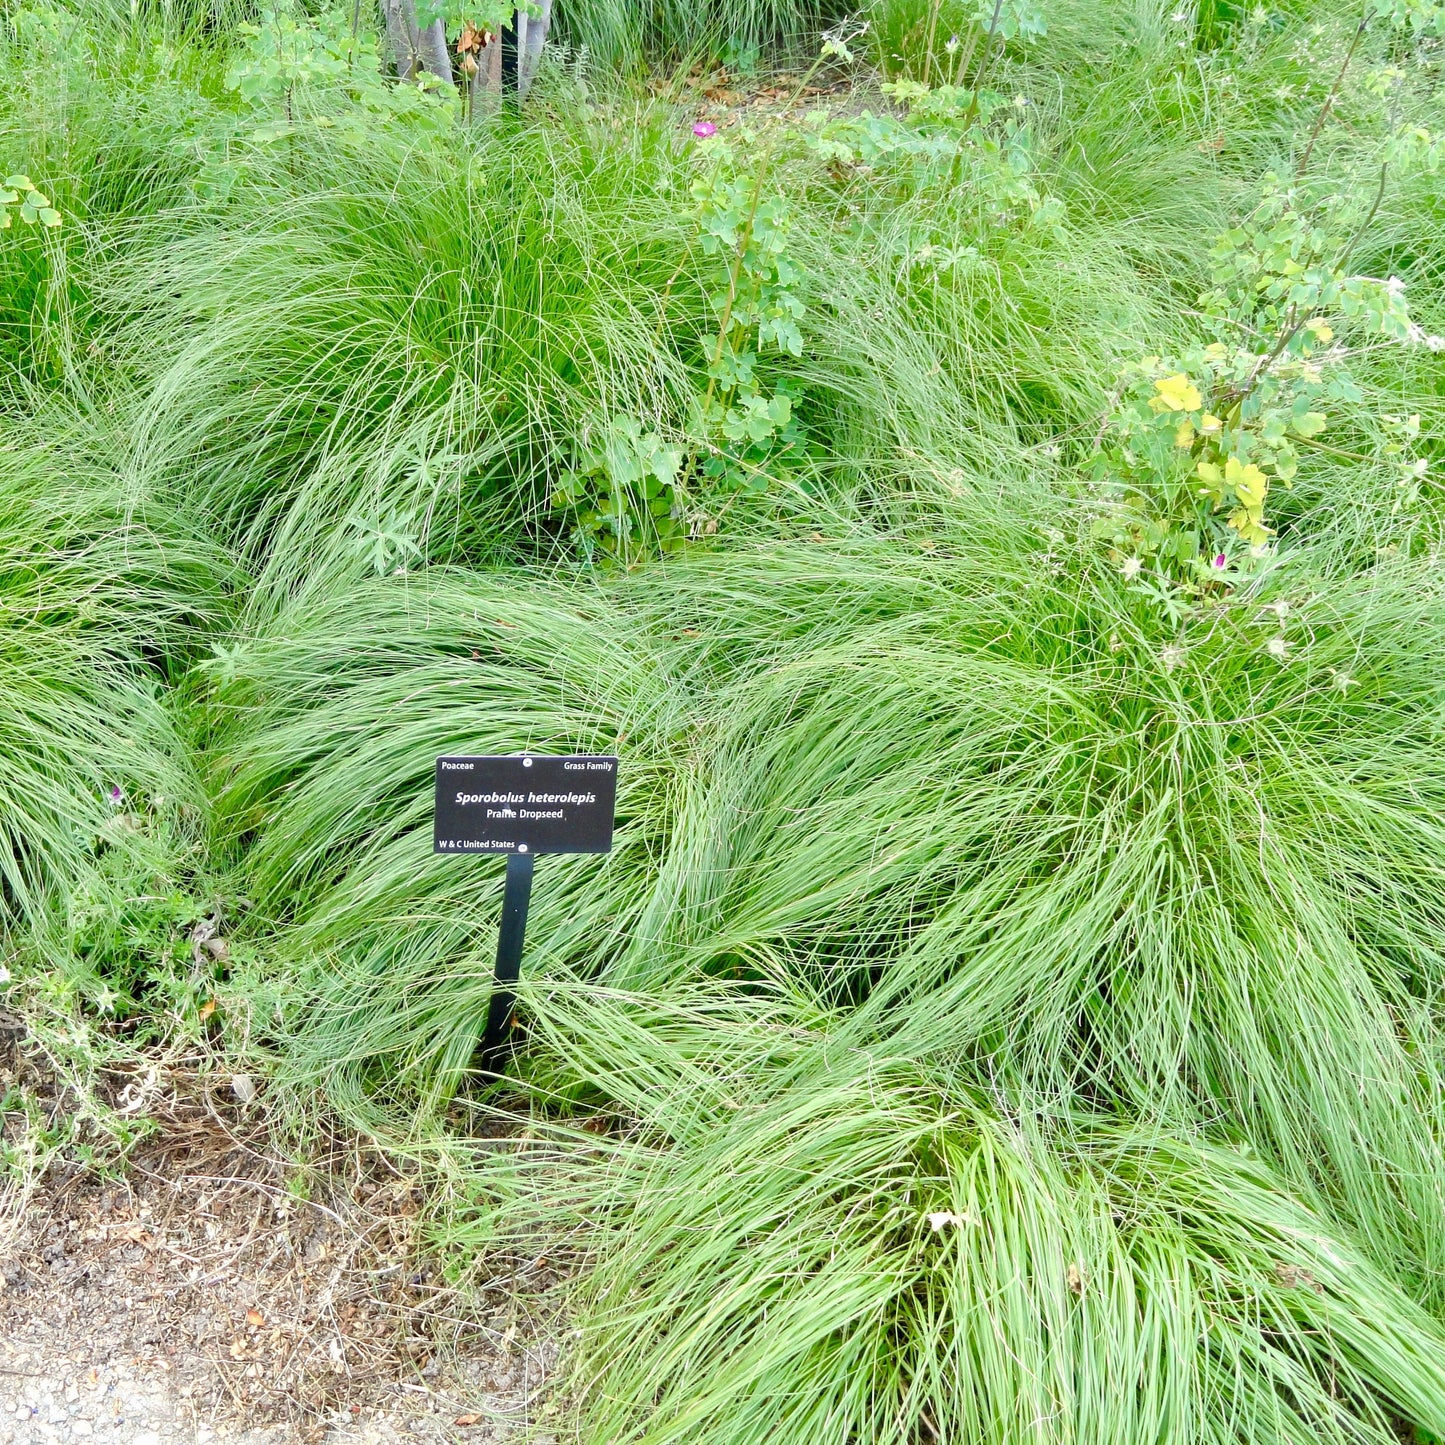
{"points": [[4, 974], [1277, 647], [940, 1219], [1172, 656], [1132, 568]]}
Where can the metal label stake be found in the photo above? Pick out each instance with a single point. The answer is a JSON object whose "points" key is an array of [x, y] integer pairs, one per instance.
{"points": [[515, 897], [521, 805]]}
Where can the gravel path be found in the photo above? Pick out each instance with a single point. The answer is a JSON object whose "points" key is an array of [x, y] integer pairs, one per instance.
{"points": [[58, 1394], [202, 1301]]}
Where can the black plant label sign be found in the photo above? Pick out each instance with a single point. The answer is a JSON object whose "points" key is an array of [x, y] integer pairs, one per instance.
{"points": [[525, 803]]}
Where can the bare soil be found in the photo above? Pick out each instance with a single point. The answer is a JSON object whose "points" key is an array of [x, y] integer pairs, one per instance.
{"points": [[196, 1298]]}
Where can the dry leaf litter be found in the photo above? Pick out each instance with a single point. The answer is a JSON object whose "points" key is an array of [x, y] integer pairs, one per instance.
{"points": [[198, 1299]]}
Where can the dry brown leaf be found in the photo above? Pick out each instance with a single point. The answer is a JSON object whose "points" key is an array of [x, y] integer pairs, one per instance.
{"points": [[1291, 1276], [466, 1419], [207, 1009], [255, 1318], [473, 39]]}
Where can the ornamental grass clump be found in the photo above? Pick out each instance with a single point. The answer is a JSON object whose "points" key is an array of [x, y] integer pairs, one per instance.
{"points": [[739, 32], [994, 807], [101, 597], [398, 343], [982, 807], [888, 1257], [384, 957]]}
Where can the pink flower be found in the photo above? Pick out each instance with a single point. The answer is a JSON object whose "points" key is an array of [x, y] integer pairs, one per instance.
{"points": [[1221, 562], [703, 128], [116, 796]]}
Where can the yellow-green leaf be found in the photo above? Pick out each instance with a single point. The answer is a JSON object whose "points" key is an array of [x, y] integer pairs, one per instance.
{"points": [[1249, 483], [1178, 393]]}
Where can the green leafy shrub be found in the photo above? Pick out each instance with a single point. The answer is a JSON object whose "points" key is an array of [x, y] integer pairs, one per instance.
{"points": [[34, 206], [1199, 438], [297, 76], [622, 490]]}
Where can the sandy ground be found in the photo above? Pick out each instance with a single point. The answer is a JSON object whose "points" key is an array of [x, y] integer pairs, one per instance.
{"points": [[197, 1299]]}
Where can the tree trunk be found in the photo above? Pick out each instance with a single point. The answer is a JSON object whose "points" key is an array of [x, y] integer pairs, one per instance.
{"points": [[401, 37], [433, 51], [487, 81], [412, 49], [531, 37], [510, 59]]}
